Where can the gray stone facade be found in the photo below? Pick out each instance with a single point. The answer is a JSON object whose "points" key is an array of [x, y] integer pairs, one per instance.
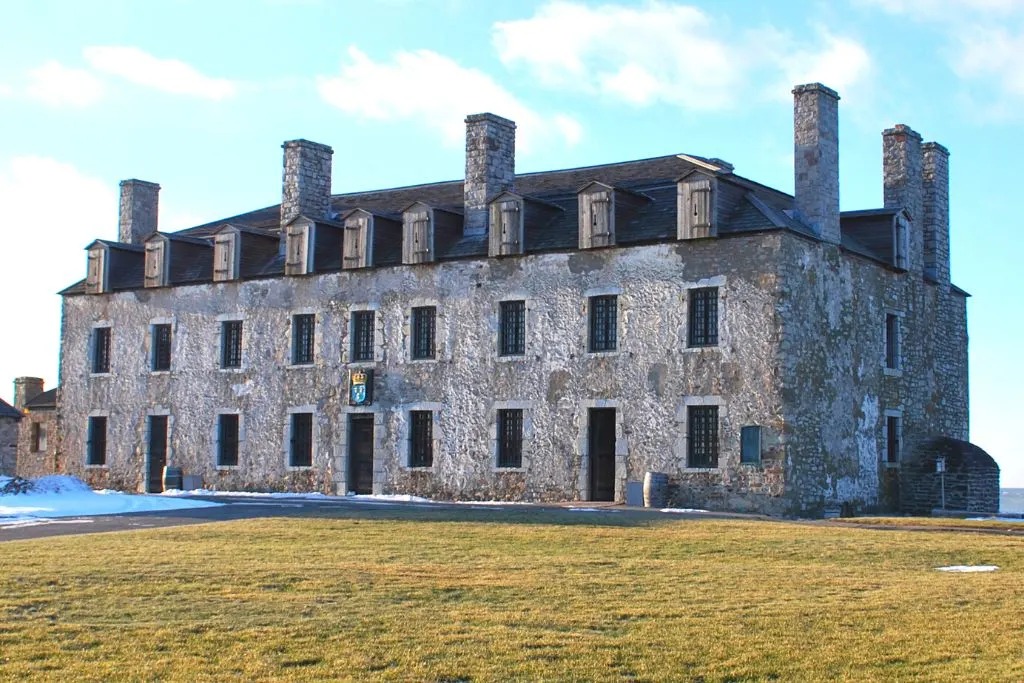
{"points": [[8, 445], [804, 302]]}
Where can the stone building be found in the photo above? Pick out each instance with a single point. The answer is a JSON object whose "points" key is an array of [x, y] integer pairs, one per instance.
{"points": [[9, 419], [541, 336], [37, 431]]}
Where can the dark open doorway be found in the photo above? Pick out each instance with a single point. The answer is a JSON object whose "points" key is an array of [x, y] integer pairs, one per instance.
{"points": [[360, 453], [601, 449], [157, 453]]}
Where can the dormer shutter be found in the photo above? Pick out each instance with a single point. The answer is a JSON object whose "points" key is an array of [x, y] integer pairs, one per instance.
{"points": [[224, 258], [696, 207], [95, 280], [700, 201], [296, 249], [596, 221], [511, 224], [155, 275], [356, 245]]}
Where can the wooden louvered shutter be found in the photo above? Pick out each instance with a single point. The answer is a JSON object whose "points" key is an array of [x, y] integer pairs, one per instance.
{"points": [[600, 219], [223, 258], [421, 241], [701, 209], [94, 272], [295, 260], [154, 264]]}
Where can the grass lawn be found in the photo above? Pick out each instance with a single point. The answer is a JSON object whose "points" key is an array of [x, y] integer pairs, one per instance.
{"points": [[517, 595]]}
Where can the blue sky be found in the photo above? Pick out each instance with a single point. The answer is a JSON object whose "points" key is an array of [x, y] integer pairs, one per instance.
{"points": [[198, 96]]}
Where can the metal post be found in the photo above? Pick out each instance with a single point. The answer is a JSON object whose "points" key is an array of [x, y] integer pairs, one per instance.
{"points": [[940, 467]]}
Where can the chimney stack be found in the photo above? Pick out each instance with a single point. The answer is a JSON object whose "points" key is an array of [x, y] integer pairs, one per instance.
{"points": [[306, 180], [138, 215], [903, 184], [816, 158], [490, 166], [26, 389], [935, 178]]}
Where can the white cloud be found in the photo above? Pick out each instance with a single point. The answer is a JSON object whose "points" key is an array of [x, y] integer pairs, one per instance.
{"points": [[58, 85], [671, 53], [6, 90], [425, 86], [169, 75], [946, 9]]}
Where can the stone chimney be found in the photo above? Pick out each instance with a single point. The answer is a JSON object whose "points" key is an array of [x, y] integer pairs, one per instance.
{"points": [[816, 158], [26, 389], [935, 178], [903, 184], [138, 215], [306, 181], [490, 166]]}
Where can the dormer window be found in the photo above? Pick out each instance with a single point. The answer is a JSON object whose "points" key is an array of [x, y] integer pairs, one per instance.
{"points": [[506, 226], [696, 207], [358, 241], [900, 233], [96, 271], [597, 216], [297, 251], [156, 263], [418, 237], [225, 257]]}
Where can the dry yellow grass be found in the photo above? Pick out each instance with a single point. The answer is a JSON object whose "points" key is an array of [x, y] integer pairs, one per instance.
{"points": [[521, 595]]}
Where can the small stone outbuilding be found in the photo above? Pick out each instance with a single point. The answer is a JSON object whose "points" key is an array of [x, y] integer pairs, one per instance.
{"points": [[971, 478], [9, 419], [37, 430]]}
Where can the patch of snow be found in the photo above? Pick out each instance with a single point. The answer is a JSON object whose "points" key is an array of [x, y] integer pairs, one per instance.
{"points": [[492, 502], [681, 510], [574, 509], [175, 493], [389, 498], [22, 522], [1019, 520], [965, 569]]}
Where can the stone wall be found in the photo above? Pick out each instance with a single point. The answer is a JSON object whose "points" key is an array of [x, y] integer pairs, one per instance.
{"points": [[649, 379], [8, 446], [37, 463], [970, 482]]}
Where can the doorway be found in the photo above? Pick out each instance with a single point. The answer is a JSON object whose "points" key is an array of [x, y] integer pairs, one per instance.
{"points": [[601, 450], [360, 453], [157, 453]]}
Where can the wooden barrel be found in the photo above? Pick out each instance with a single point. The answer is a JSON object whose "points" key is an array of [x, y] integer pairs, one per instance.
{"points": [[655, 489]]}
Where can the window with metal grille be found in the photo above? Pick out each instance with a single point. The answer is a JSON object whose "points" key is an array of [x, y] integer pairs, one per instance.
{"points": [[513, 328], [227, 440], [892, 439], [161, 347], [423, 326], [421, 438], [704, 316], [101, 350], [300, 453], [604, 323], [510, 438], [303, 332], [750, 445], [702, 430], [892, 341], [231, 344], [362, 335], [96, 442]]}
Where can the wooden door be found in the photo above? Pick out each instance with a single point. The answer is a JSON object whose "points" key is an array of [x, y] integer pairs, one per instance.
{"points": [[360, 454], [157, 453], [601, 439]]}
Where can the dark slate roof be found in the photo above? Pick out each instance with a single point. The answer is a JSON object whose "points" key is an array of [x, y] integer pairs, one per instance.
{"points": [[7, 410], [45, 400]]}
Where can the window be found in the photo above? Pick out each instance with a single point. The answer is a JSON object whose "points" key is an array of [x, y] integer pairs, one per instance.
{"points": [[224, 257], [421, 438], [423, 327], [893, 436], [704, 317], [702, 430], [892, 341], [161, 360], [227, 440], [303, 333], [750, 445], [510, 438], [513, 328], [604, 323], [96, 442], [38, 435], [362, 335], [300, 452], [596, 229], [231, 344], [100, 350]]}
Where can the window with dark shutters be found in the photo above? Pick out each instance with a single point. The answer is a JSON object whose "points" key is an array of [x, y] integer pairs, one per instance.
{"points": [[750, 445], [101, 350], [513, 328], [892, 439], [702, 433], [421, 438], [303, 334], [96, 441], [603, 323], [362, 335], [892, 341], [704, 317], [301, 450], [161, 360], [227, 440], [423, 328], [510, 438], [231, 344]]}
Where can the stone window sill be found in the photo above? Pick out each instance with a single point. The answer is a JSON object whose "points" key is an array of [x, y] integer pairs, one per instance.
{"points": [[752, 465], [603, 354], [100, 374], [159, 372], [419, 469], [699, 470], [417, 361], [231, 370], [892, 465], [701, 349], [300, 366], [363, 363], [521, 470], [299, 468], [228, 468], [512, 358], [892, 372], [96, 467]]}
